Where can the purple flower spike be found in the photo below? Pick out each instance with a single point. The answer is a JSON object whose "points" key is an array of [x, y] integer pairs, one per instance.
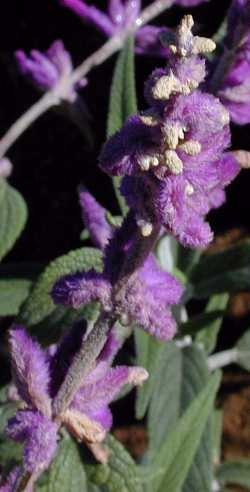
{"points": [[49, 70], [82, 288], [30, 370], [88, 418], [40, 437], [94, 218], [172, 156]]}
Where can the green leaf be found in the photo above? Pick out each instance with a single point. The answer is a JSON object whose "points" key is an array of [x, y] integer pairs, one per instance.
{"points": [[66, 474], [13, 293], [234, 472], [177, 453], [227, 271], [243, 351], [182, 375], [39, 304], [120, 474], [209, 333], [197, 323], [187, 259], [122, 102], [149, 351], [13, 216], [166, 252]]}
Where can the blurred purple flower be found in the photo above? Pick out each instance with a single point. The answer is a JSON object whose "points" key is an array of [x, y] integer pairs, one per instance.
{"points": [[50, 70], [120, 15], [38, 375], [235, 89], [172, 155]]}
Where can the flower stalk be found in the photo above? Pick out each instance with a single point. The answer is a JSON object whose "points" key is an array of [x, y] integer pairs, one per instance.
{"points": [[52, 98]]}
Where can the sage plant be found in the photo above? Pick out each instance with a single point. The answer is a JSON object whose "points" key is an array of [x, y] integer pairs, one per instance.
{"points": [[170, 165]]}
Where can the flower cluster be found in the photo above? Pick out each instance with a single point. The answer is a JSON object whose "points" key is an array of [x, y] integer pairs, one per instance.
{"points": [[172, 155], [235, 89], [50, 70], [38, 375], [149, 293]]}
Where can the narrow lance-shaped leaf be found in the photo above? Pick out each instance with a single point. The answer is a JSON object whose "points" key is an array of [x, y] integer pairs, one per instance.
{"points": [[177, 452], [227, 271], [149, 351], [122, 102], [13, 216], [209, 333], [182, 375]]}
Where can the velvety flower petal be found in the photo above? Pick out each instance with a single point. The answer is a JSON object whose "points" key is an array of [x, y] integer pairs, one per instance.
{"points": [[119, 154], [94, 218], [30, 370], [81, 288], [40, 437], [92, 399]]}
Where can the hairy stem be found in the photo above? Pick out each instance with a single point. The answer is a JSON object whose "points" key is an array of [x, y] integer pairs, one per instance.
{"points": [[53, 97], [82, 363], [91, 347]]}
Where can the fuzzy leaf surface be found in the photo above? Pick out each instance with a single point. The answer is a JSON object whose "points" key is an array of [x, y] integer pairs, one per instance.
{"points": [[39, 304], [66, 472], [120, 474], [13, 216], [182, 375], [13, 293]]}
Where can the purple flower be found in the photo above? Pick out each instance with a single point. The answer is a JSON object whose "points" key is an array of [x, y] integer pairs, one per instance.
{"points": [[49, 70], [33, 425], [147, 298], [120, 15], [235, 88], [38, 375], [94, 218], [172, 155]]}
